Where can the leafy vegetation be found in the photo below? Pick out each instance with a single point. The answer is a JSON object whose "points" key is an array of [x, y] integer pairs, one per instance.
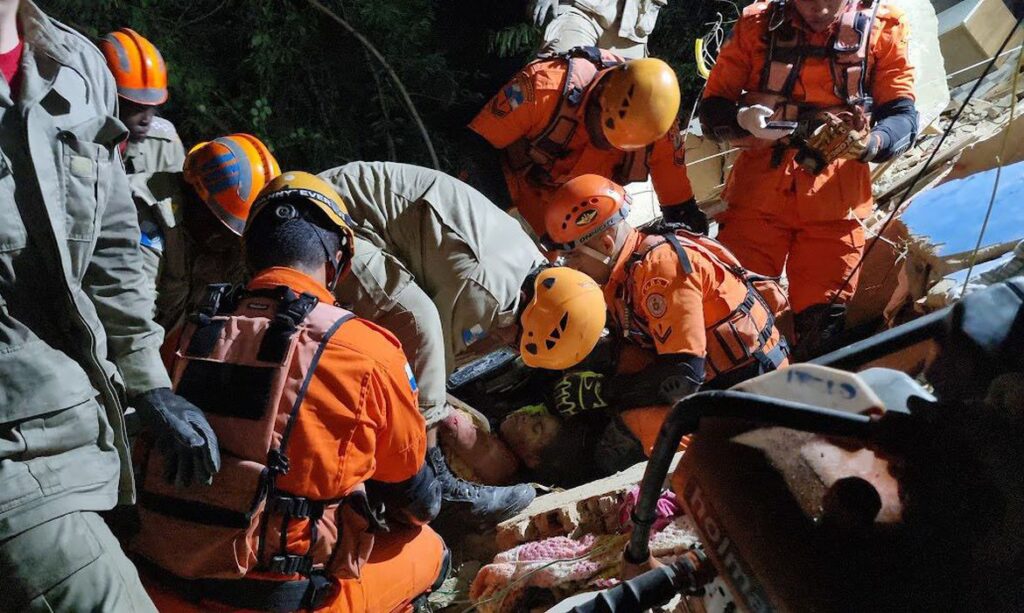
{"points": [[282, 70]]}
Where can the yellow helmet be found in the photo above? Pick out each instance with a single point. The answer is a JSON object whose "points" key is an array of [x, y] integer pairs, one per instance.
{"points": [[298, 185], [563, 322], [639, 103]]}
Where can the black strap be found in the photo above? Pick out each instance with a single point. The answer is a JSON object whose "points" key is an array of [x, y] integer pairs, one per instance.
{"points": [[291, 312], [684, 260], [277, 458], [207, 329], [259, 594]]}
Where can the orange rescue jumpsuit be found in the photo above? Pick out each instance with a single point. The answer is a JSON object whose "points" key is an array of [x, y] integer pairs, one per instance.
{"points": [[656, 306], [523, 109], [360, 421], [785, 212]]}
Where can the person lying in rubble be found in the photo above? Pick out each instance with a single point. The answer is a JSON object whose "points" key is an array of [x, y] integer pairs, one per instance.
{"points": [[684, 313], [442, 268]]}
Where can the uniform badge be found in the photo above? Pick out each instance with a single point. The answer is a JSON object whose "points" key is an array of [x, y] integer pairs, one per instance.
{"points": [[656, 305], [511, 96]]}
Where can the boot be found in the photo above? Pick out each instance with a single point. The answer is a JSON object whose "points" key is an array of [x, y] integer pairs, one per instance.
{"points": [[817, 328], [486, 503]]}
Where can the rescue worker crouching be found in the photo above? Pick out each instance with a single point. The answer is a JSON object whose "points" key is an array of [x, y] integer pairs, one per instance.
{"points": [[212, 196], [839, 71], [684, 312], [441, 267], [311, 404], [586, 112], [153, 151]]}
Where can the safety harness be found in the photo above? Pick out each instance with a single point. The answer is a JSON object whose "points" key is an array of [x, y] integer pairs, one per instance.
{"points": [[539, 154], [738, 339], [247, 358], [846, 50]]}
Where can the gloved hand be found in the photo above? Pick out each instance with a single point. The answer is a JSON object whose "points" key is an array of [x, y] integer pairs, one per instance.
{"points": [[864, 148], [578, 391], [688, 214], [754, 119], [182, 434], [539, 10]]}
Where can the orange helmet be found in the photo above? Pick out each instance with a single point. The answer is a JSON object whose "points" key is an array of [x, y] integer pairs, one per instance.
{"points": [[639, 103], [563, 322], [227, 174], [138, 67], [581, 209], [298, 185]]}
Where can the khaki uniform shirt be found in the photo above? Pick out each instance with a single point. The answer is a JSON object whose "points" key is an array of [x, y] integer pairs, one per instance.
{"points": [[154, 169], [76, 338], [446, 238]]}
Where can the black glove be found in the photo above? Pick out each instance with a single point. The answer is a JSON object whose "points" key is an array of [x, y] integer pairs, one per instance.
{"points": [[688, 214], [578, 391], [182, 435]]}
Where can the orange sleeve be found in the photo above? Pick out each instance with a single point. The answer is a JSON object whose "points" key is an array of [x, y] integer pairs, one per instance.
{"points": [[519, 110], [402, 436], [671, 301], [892, 72], [668, 168], [732, 69]]}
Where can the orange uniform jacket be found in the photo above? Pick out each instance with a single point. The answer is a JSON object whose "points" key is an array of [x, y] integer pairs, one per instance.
{"points": [[360, 419], [667, 310], [845, 184], [525, 107]]}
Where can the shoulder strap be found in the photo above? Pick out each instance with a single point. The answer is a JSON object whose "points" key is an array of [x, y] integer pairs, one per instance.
{"points": [[277, 458]]}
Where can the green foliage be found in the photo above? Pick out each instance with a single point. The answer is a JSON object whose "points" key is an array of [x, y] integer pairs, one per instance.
{"points": [[281, 70]]}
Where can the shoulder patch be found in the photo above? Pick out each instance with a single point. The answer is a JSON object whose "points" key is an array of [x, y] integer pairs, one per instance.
{"points": [[162, 128]]}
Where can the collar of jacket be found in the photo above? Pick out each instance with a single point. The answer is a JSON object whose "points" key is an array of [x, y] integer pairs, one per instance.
{"points": [[38, 31], [298, 281]]}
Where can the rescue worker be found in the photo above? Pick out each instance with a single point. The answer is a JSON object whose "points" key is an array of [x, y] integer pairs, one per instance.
{"points": [[213, 194], [586, 112], [685, 312], [794, 202], [77, 339], [619, 27], [311, 403], [153, 152], [441, 267]]}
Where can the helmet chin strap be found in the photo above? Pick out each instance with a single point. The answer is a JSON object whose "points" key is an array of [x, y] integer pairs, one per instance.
{"points": [[331, 260], [603, 258]]}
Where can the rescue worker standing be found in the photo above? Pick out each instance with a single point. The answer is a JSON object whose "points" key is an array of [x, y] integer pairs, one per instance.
{"points": [[310, 403], [441, 267], [213, 195], [586, 112], [153, 150], [620, 27], [795, 201], [685, 312], [77, 338]]}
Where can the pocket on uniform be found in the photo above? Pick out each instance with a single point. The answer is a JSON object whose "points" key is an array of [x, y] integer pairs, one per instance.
{"points": [[87, 152], [12, 231]]}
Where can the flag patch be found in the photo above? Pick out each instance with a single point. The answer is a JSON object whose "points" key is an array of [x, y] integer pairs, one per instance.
{"points": [[412, 378]]}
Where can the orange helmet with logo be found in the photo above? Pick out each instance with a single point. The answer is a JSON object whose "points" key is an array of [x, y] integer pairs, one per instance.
{"points": [[314, 191], [563, 322], [138, 67], [639, 103], [581, 209], [228, 173]]}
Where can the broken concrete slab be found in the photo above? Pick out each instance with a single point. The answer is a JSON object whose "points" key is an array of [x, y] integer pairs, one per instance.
{"points": [[930, 87]]}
